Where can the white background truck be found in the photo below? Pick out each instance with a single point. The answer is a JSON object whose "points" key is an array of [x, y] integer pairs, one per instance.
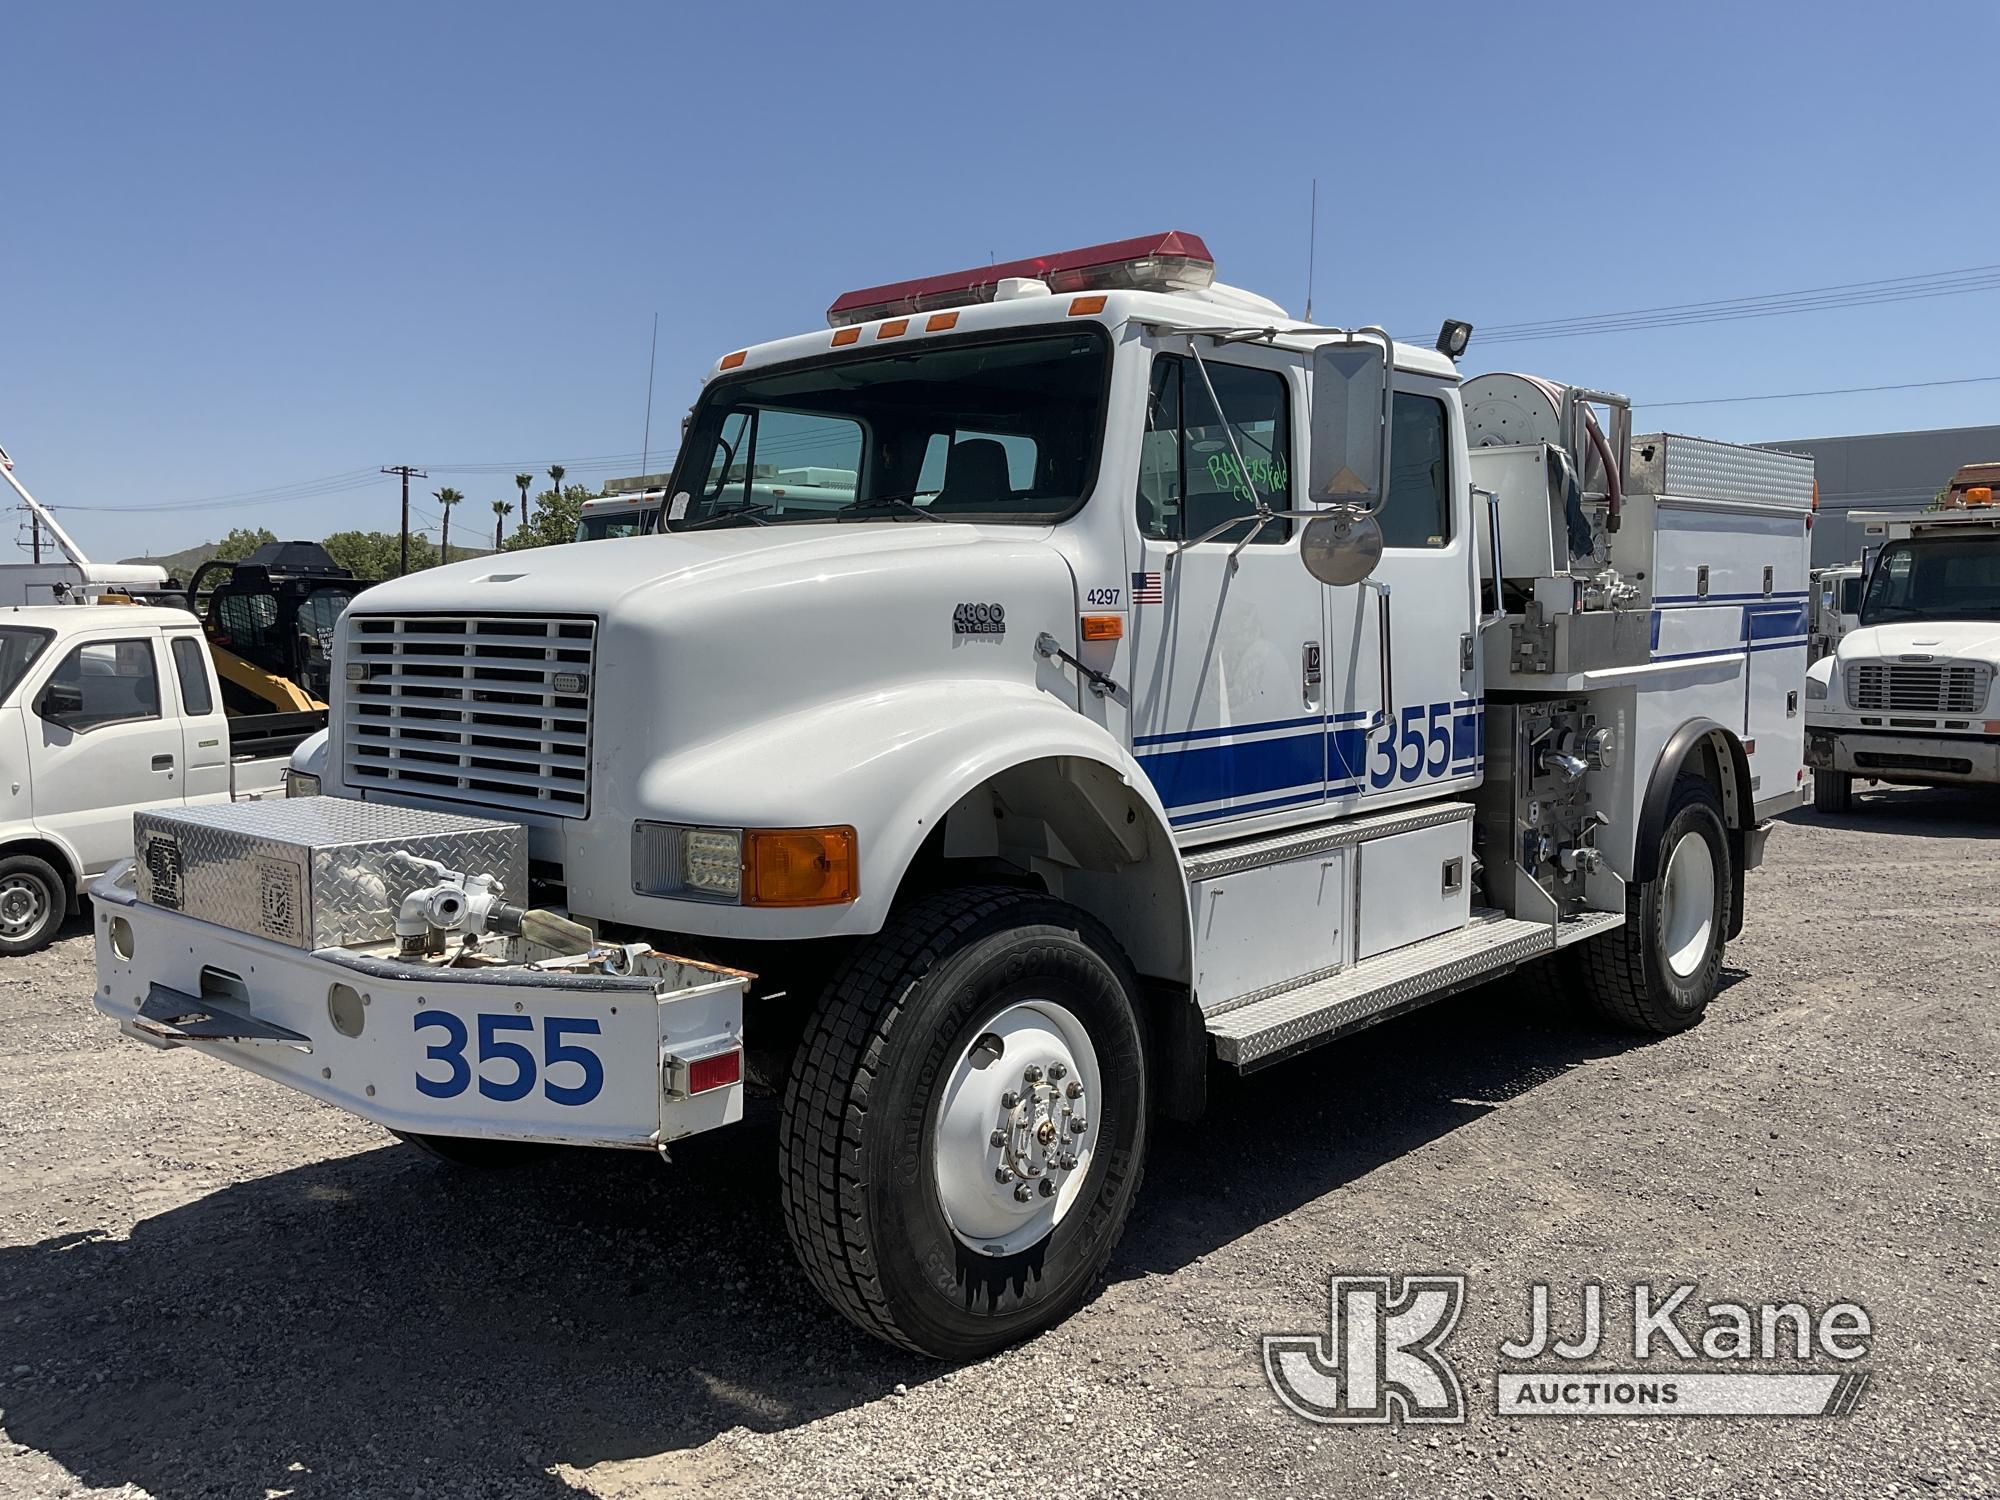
{"points": [[1909, 698], [1175, 684], [106, 709]]}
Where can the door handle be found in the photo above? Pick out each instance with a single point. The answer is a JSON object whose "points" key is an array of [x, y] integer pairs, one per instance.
{"points": [[163, 763], [1386, 718]]}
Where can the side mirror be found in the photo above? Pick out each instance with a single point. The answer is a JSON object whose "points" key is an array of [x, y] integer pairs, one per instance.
{"points": [[1350, 426], [1341, 547]]}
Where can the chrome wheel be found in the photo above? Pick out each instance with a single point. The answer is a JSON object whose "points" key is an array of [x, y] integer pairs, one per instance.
{"points": [[1687, 905], [1012, 1140], [24, 906]]}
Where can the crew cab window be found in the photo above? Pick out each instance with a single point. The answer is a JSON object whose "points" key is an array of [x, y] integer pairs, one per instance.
{"points": [[1020, 452], [1417, 510], [19, 646], [1189, 479], [1004, 429], [100, 683], [191, 671]]}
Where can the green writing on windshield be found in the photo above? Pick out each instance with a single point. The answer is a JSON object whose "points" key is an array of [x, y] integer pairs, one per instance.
{"points": [[1268, 475]]}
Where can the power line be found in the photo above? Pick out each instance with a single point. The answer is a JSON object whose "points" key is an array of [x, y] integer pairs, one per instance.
{"points": [[1845, 390], [1774, 304]]}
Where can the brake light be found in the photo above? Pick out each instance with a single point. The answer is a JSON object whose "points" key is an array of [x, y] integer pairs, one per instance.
{"points": [[717, 1072], [1175, 262]]}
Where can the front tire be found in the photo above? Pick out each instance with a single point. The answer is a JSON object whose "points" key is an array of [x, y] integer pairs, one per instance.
{"points": [[1659, 971], [965, 1125], [1833, 791], [33, 900]]}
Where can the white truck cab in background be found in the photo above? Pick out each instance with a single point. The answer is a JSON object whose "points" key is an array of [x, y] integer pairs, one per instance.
{"points": [[104, 710], [1909, 696], [1050, 681]]}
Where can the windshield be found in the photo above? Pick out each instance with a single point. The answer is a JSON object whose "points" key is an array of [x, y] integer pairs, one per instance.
{"points": [[19, 646], [614, 523], [1945, 578], [999, 431]]}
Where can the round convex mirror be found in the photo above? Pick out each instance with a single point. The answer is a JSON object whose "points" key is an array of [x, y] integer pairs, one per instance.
{"points": [[1341, 547]]}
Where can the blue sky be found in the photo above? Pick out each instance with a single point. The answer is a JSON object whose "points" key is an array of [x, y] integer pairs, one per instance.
{"points": [[247, 246]]}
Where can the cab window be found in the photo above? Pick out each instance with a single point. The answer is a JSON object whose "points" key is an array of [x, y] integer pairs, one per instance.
{"points": [[1417, 510], [1189, 479], [100, 683], [191, 671]]}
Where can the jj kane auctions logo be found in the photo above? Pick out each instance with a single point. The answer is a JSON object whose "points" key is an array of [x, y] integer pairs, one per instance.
{"points": [[1383, 1356]]}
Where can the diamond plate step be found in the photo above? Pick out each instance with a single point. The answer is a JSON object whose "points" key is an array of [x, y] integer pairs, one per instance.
{"points": [[1400, 980]]}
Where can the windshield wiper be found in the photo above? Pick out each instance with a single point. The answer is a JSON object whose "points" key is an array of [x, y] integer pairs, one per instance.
{"points": [[754, 512], [901, 503]]}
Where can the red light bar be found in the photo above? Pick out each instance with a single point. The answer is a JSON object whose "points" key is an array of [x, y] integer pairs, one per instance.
{"points": [[1177, 261], [716, 1072]]}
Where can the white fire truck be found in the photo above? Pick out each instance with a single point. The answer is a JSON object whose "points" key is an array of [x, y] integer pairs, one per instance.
{"points": [[1170, 683], [1908, 696]]}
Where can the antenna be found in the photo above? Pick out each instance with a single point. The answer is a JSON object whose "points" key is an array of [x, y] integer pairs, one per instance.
{"points": [[1312, 249], [646, 444]]}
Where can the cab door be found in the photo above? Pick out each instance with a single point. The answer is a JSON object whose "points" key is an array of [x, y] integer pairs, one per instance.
{"points": [[101, 745], [1228, 633], [1428, 739], [204, 726]]}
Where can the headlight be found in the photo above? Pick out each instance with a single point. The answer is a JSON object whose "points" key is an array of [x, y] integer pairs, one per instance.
{"points": [[746, 867], [301, 784], [1815, 688]]}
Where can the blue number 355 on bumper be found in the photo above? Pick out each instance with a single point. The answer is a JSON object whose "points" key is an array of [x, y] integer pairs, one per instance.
{"points": [[508, 1053]]}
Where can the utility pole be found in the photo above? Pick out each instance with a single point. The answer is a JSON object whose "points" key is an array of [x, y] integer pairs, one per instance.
{"points": [[35, 534], [406, 470]]}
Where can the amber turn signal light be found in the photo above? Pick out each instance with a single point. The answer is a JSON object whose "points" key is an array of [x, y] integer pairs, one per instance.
{"points": [[800, 866], [1103, 627]]}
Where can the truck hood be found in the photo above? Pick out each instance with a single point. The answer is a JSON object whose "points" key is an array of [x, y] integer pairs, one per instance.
{"points": [[1946, 640], [604, 577]]}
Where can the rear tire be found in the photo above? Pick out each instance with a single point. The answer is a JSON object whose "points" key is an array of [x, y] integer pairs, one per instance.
{"points": [[473, 1153], [34, 898], [1833, 791], [1658, 972], [965, 1123]]}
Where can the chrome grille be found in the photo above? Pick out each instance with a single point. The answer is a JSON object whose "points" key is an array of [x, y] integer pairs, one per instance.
{"points": [[1911, 687], [477, 708]]}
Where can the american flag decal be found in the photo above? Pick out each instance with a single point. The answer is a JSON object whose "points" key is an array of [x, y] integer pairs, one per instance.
{"points": [[1146, 589]]}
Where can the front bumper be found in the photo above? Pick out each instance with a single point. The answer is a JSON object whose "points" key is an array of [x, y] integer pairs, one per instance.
{"points": [[1921, 759], [503, 1052]]}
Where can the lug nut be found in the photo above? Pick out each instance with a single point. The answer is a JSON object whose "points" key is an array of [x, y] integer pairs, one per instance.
{"points": [[1077, 1124], [998, 1138], [1057, 1072], [1074, 1091], [1048, 1188], [1068, 1161], [1009, 1099], [1003, 1174], [1031, 1074], [1022, 1192]]}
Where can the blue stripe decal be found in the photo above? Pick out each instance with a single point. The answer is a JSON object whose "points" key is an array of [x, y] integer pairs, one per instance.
{"points": [[1215, 773], [1757, 598], [1327, 758]]}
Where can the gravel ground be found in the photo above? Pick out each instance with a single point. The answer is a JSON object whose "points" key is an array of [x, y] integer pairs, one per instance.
{"points": [[210, 1286]]}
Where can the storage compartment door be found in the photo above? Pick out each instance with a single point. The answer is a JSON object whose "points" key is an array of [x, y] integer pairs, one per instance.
{"points": [[1413, 886], [1269, 926]]}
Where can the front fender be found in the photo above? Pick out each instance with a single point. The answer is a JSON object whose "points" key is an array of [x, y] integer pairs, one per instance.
{"points": [[892, 764]]}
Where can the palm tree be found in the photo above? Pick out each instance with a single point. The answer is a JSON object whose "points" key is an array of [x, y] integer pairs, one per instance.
{"points": [[523, 481], [446, 498], [500, 509], [556, 472]]}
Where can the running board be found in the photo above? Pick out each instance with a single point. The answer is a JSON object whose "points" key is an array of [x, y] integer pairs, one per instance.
{"points": [[1254, 1035]]}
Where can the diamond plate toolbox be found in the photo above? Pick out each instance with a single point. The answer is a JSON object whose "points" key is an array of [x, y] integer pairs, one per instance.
{"points": [[315, 872]]}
